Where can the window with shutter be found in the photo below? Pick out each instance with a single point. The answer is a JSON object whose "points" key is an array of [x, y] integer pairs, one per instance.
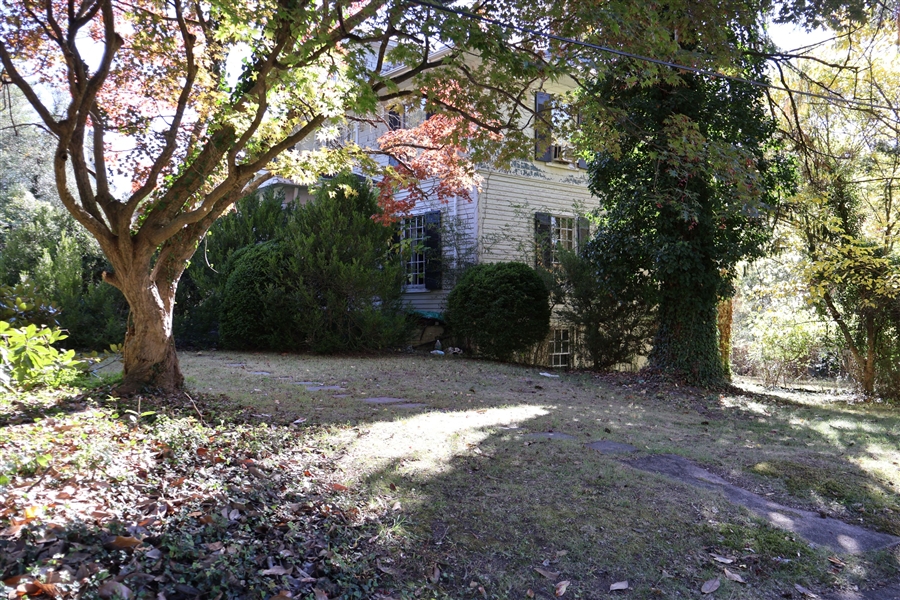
{"points": [[546, 149], [553, 232], [434, 264], [413, 233]]}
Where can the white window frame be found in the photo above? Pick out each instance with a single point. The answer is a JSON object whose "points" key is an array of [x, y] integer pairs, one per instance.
{"points": [[563, 231], [414, 231], [561, 339]]}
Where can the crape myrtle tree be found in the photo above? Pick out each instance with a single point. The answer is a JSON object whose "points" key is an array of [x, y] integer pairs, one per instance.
{"points": [[151, 99], [687, 176]]}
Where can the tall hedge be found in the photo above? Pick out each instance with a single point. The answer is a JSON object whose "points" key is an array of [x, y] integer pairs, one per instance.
{"points": [[331, 283], [499, 309], [256, 303]]}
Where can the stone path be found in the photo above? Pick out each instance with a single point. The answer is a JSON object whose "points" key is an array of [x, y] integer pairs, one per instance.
{"points": [[829, 533], [888, 592]]}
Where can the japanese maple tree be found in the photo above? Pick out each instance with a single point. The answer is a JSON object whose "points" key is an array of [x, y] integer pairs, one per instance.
{"points": [[154, 97]]}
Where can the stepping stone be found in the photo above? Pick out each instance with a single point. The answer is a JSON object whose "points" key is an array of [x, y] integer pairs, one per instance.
{"points": [[322, 388], [888, 592], [607, 447], [550, 435], [383, 400], [409, 405], [830, 533], [308, 383], [260, 373]]}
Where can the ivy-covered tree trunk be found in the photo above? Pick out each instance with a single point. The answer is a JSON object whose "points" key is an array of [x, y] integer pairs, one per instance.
{"points": [[686, 342], [688, 176]]}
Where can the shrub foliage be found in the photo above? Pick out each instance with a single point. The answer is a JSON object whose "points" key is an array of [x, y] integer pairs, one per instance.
{"points": [[330, 283], [499, 309]]}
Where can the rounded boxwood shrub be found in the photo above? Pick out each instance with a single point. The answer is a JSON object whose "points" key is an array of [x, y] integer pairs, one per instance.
{"points": [[499, 309], [255, 307]]}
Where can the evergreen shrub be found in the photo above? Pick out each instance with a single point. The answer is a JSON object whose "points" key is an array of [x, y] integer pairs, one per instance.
{"points": [[499, 309], [256, 308], [331, 283]]}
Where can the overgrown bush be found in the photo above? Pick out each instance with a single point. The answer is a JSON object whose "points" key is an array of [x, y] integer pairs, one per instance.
{"points": [[256, 308], [255, 219], [498, 309], [348, 275], [49, 249], [331, 283], [609, 304]]}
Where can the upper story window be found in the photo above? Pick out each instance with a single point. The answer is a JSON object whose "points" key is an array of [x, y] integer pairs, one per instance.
{"points": [[547, 148], [395, 118]]}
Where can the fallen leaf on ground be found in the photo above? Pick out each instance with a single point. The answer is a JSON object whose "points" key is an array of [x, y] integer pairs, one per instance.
{"points": [[114, 589], [546, 573], [385, 569], [48, 588], [561, 588], [804, 591], [337, 487], [837, 562], [619, 585], [722, 559], [121, 542], [733, 576], [277, 570], [710, 586], [282, 595], [435, 575], [530, 593]]}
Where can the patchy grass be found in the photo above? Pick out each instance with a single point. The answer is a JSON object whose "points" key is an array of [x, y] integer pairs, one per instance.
{"points": [[278, 490]]}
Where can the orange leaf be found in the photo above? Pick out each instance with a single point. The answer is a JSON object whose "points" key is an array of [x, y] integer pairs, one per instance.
{"points": [[121, 542], [337, 487], [561, 588], [32, 512]]}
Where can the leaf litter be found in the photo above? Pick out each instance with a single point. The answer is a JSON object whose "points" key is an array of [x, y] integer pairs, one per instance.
{"points": [[172, 508]]}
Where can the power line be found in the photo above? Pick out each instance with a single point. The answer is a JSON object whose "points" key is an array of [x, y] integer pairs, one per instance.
{"points": [[656, 61]]}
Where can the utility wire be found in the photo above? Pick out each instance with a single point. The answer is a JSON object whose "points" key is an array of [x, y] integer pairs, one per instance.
{"points": [[656, 61]]}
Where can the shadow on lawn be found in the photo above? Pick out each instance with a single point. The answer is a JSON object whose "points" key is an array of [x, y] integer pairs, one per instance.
{"points": [[440, 502]]}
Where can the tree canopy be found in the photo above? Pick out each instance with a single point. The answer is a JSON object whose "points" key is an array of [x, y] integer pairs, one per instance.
{"points": [[687, 177]]}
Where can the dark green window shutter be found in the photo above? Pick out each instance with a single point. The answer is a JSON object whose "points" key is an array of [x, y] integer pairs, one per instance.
{"points": [[543, 243], [434, 272], [542, 138], [584, 232]]}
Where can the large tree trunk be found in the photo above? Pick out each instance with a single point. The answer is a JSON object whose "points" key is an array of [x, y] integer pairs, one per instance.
{"points": [[687, 341], [725, 318], [149, 357]]}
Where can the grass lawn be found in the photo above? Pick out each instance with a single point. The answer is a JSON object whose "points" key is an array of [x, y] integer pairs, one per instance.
{"points": [[262, 485]]}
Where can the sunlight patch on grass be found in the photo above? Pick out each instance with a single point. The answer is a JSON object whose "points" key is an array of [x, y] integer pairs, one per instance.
{"points": [[425, 444]]}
